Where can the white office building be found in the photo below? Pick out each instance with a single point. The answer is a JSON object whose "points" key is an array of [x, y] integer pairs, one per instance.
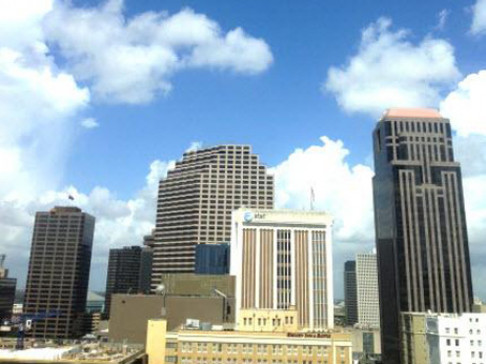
{"points": [[444, 338], [283, 259], [367, 290]]}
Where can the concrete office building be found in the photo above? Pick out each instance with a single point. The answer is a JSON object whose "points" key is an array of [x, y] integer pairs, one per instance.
{"points": [[421, 235], [443, 338], [209, 298], [283, 258], [59, 268], [127, 272], [213, 345], [350, 293], [367, 290], [196, 200], [7, 291]]}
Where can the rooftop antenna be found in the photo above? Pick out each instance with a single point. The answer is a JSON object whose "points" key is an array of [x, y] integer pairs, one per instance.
{"points": [[2, 259], [312, 198]]}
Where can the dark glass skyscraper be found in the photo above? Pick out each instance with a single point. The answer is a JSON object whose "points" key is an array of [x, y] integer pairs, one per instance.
{"points": [[350, 292], [60, 260], [7, 291], [129, 271], [421, 236]]}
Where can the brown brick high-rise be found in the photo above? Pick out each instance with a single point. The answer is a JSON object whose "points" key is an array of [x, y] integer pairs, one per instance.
{"points": [[59, 265], [196, 200]]}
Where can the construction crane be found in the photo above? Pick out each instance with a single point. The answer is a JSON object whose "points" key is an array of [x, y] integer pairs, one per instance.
{"points": [[24, 323]]}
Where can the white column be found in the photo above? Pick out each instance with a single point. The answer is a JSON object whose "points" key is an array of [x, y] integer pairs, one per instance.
{"points": [[257, 268], [329, 280], [274, 283], [311, 279], [292, 268]]}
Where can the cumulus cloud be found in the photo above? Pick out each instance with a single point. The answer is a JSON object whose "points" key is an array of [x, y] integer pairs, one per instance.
{"points": [[464, 106], [131, 60], [89, 123], [391, 71], [343, 190], [478, 25], [118, 222]]}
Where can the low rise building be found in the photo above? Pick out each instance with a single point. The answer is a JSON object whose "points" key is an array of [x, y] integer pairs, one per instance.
{"points": [[443, 338], [209, 298], [208, 346], [265, 320]]}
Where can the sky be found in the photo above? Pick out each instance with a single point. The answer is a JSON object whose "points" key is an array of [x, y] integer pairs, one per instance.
{"points": [[98, 99]]}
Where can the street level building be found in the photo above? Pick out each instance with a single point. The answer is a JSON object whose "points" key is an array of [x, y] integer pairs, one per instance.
{"points": [[196, 200], [127, 272], [211, 344], [208, 298], [59, 267], [421, 235], [283, 259], [7, 291], [443, 338]]}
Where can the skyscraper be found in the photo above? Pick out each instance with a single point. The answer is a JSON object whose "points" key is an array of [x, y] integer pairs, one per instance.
{"points": [[196, 200], [127, 270], [350, 294], [367, 290], [7, 291], [59, 267], [282, 259], [421, 236]]}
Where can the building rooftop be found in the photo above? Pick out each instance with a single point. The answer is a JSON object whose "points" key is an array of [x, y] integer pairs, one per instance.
{"points": [[411, 113]]}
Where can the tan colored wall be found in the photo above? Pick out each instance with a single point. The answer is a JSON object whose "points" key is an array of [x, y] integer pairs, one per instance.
{"points": [[155, 344], [267, 320], [130, 313], [188, 284]]}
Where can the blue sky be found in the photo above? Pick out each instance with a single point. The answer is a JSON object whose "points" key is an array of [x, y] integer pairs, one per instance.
{"points": [[297, 71]]}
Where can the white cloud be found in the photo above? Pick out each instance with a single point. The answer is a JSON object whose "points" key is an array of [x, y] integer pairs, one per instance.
{"points": [[478, 25], [442, 19], [194, 146], [118, 222], [132, 60], [89, 123], [464, 106], [390, 71]]}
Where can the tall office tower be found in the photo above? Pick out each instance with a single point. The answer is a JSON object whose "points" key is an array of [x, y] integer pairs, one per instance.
{"points": [[421, 237], [60, 260], [350, 294], [7, 291], [367, 290], [196, 200], [127, 272], [282, 259]]}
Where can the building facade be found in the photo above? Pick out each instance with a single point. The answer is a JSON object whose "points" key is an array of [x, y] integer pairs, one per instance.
{"points": [[283, 259], [125, 272], [196, 199], [7, 292], [443, 338], [421, 236], [350, 293], [367, 290], [59, 267], [213, 345], [212, 259]]}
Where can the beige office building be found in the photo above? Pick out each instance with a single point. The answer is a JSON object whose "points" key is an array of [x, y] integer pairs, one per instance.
{"points": [[215, 346], [197, 198], [283, 259]]}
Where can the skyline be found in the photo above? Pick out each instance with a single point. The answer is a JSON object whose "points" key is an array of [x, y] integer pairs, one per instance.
{"points": [[74, 132]]}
